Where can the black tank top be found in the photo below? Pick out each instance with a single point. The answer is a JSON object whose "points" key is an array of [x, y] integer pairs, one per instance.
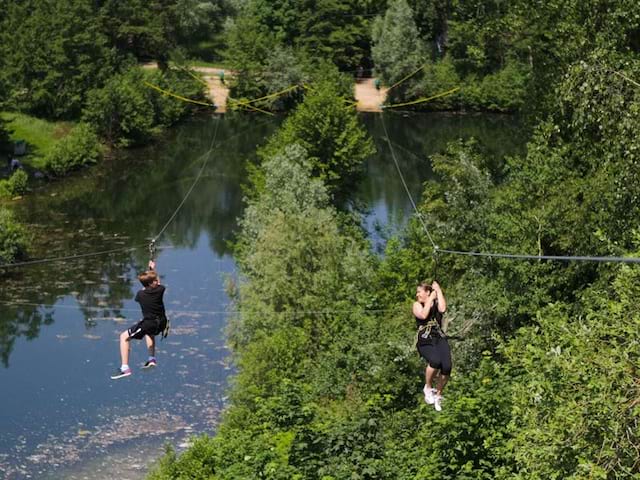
{"points": [[434, 314]]}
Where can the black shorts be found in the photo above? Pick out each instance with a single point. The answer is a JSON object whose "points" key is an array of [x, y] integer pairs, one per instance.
{"points": [[147, 326], [437, 353]]}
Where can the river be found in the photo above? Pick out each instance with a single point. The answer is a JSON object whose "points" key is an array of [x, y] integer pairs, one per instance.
{"points": [[60, 414]]}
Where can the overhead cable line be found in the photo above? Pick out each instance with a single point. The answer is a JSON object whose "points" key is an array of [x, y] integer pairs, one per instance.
{"points": [[197, 312]]}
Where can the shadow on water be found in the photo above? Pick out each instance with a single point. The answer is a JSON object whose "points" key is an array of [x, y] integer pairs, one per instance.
{"points": [[61, 415]]}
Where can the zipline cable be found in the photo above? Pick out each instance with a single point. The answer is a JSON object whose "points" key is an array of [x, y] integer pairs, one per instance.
{"points": [[560, 258], [405, 78], [422, 100], [179, 97], [406, 188], [557, 258], [72, 257], [123, 249], [207, 156], [197, 312]]}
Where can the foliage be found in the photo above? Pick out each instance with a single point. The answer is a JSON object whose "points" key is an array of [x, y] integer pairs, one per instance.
{"points": [[329, 131], [575, 406], [334, 30], [397, 49], [15, 185], [128, 112], [79, 148], [144, 29], [122, 112], [14, 239], [51, 53], [199, 20], [313, 33]]}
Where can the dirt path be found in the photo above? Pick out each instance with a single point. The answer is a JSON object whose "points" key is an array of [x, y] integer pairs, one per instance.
{"points": [[218, 91], [369, 98]]}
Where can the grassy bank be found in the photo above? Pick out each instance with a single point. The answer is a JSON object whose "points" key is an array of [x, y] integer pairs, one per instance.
{"points": [[41, 135]]}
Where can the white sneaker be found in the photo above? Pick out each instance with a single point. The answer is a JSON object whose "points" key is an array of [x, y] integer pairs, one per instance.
{"points": [[429, 395], [437, 402]]}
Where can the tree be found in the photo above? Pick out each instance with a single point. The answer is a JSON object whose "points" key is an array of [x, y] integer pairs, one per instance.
{"points": [[397, 48], [13, 237], [51, 54], [329, 131], [143, 29], [572, 417]]}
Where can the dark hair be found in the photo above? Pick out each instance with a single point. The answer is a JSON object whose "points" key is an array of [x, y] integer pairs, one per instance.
{"points": [[425, 286]]}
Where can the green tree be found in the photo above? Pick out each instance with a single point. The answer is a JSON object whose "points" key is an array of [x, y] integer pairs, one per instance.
{"points": [[14, 239], [122, 111], [329, 131], [79, 148], [397, 48], [143, 29], [574, 418], [51, 53]]}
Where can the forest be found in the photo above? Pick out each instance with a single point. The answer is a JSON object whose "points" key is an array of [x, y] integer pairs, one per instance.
{"points": [[328, 383]]}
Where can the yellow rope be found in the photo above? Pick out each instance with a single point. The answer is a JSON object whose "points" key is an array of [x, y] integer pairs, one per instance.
{"points": [[200, 79], [251, 107], [184, 99], [405, 78], [267, 96], [421, 100]]}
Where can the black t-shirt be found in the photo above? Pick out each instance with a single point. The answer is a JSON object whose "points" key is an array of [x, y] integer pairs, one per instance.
{"points": [[150, 300]]}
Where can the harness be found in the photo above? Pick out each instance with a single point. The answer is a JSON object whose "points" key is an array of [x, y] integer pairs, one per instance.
{"points": [[164, 332], [425, 330]]}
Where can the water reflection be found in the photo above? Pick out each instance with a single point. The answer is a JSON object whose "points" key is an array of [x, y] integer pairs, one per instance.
{"points": [[414, 138], [122, 204]]}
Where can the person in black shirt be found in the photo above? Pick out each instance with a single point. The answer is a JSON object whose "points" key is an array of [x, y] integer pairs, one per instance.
{"points": [[154, 320], [432, 342]]}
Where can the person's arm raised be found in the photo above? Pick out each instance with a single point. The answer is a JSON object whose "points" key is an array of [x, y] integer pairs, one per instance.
{"points": [[442, 302], [422, 311]]}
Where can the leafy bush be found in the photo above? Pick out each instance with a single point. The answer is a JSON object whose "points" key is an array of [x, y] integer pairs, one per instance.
{"points": [[334, 141], [437, 78], [126, 111], [16, 184], [13, 237], [122, 112], [169, 110], [502, 91], [81, 147]]}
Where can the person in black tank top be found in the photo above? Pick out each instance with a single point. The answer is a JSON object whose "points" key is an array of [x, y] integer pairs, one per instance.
{"points": [[154, 321], [431, 341]]}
